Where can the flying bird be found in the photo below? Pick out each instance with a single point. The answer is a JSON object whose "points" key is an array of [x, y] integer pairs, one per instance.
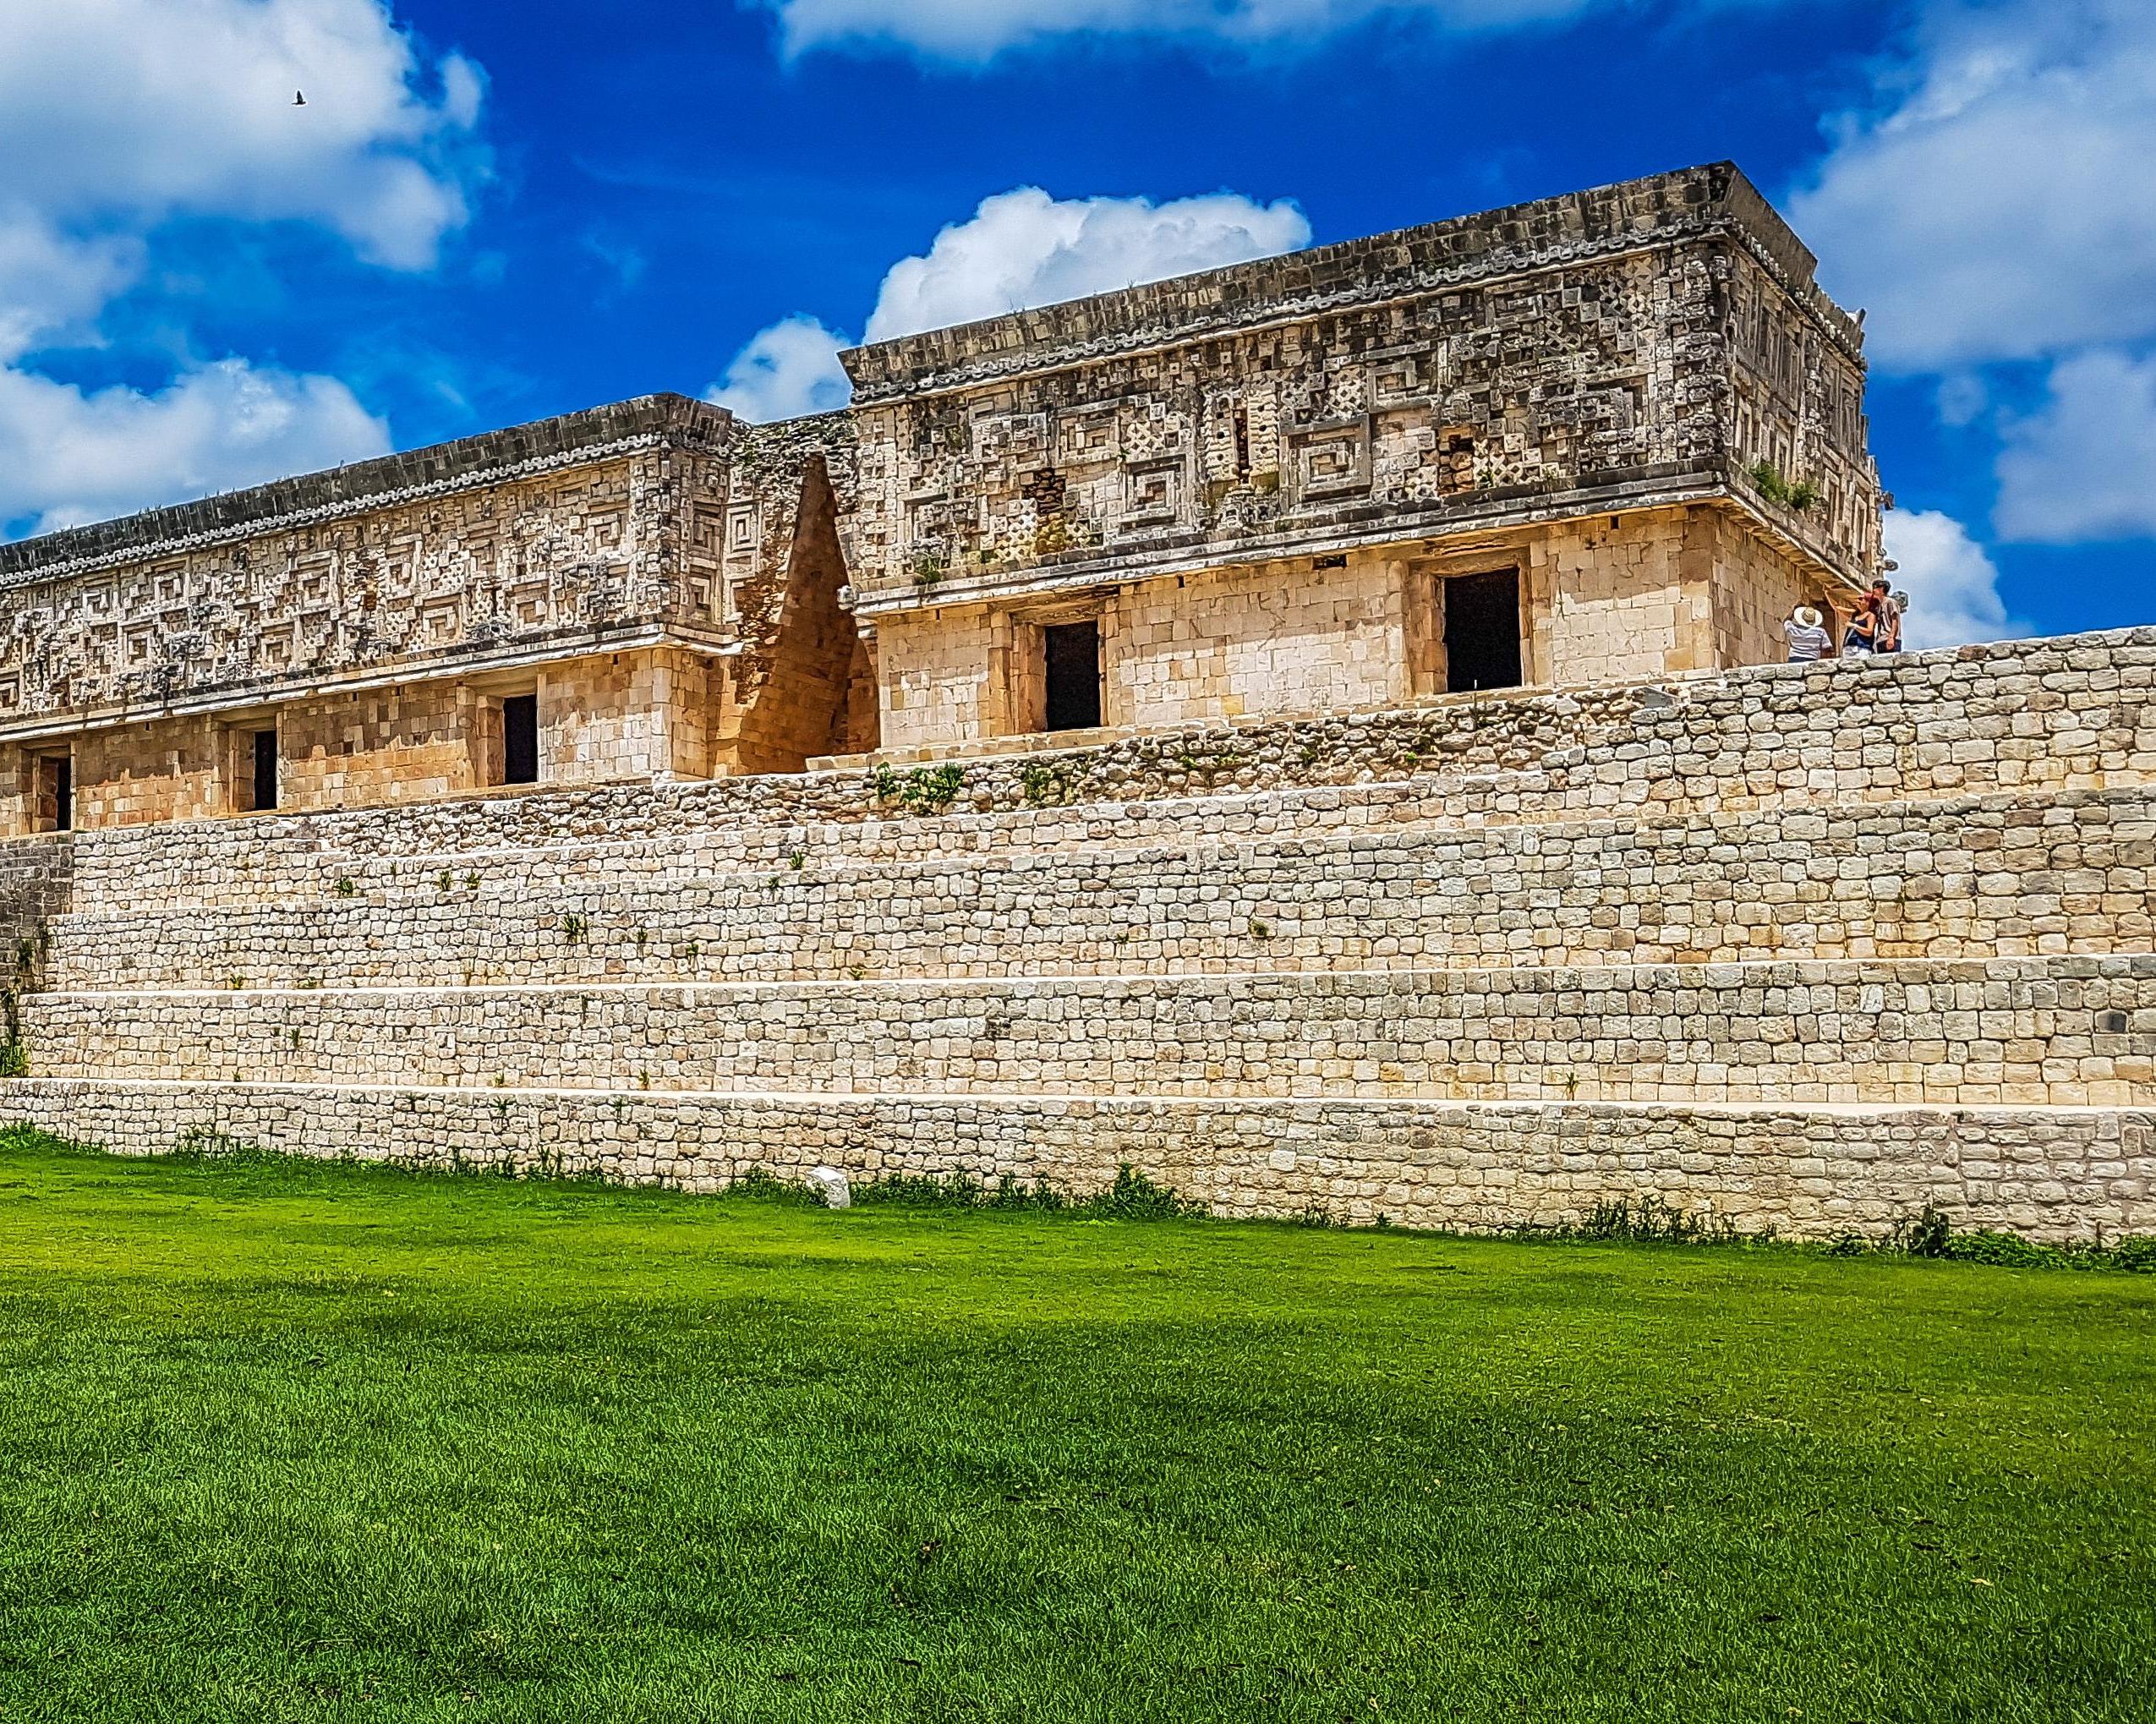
{"points": [[299, 98]]}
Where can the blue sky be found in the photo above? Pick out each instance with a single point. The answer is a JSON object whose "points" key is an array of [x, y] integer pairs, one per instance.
{"points": [[487, 212]]}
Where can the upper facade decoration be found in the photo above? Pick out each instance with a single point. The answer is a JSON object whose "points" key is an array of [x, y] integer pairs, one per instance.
{"points": [[1643, 343]]}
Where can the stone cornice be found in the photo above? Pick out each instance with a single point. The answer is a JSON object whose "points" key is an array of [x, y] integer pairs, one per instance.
{"points": [[419, 475]]}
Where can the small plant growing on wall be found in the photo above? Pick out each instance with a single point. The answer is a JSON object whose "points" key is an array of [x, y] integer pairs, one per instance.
{"points": [[929, 790], [926, 790], [928, 570], [346, 886], [575, 928], [15, 1057], [1045, 785], [1800, 494]]}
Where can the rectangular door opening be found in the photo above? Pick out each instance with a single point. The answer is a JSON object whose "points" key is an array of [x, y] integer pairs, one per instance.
{"points": [[264, 770], [1482, 631], [1074, 675], [56, 793], [520, 739]]}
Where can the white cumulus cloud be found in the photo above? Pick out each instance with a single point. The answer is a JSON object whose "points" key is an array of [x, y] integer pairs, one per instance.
{"points": [[790, 369], [2083, 467], [117, 117], [52, 286], [1019, 248], [128, 111], [1996, 201], [68, 457], [1024, 248], [1953, 584], [978, 30]]}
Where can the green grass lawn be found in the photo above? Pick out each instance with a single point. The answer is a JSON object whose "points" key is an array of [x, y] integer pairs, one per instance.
{"points": [[282, 1442]]}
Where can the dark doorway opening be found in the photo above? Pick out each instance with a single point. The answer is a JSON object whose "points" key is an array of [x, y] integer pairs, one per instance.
{"points": [[520, 739], [56, 793], [1482, 631], [1074, 675], [265, 769]]}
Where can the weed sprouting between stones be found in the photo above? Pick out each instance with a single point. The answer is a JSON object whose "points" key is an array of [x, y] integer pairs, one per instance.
{"points": [[1133, 1196], [1654, 1220], [925, 790], [761, 1185]]}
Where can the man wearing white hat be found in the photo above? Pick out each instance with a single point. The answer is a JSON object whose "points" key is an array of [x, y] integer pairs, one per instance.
{"points": [[1809, 640]]}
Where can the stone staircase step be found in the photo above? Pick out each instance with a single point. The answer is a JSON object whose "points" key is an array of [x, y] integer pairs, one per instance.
{"points": [[1809, 1171], [1956, 877], [2040, 1030]]}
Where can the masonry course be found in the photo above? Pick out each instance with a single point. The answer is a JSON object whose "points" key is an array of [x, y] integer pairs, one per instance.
{"points": [[2037, 717], [2044, 1031], [1966, 876], [1813, 1171]]}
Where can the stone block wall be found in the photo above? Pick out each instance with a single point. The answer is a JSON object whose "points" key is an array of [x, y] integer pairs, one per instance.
{"points": [[1962, 878], [1805, 1171], [415, 743], [1237, 643], [620, 716], [1667, 591], [36, 882], [1811, 947], [2044, 1031]]}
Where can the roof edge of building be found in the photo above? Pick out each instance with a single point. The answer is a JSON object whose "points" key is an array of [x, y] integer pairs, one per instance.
{"points": [[567, 440], [1685, 203]]}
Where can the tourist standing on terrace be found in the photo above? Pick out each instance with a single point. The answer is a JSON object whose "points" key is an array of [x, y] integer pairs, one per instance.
{"points": [[1862, 639], [1889, 638], [1809, 640]]}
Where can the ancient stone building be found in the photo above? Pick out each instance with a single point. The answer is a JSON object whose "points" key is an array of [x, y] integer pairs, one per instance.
{"points": [[1194, 831], [1607, 435]]}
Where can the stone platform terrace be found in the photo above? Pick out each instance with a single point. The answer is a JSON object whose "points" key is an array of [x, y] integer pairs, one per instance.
{"points": [[1810, 947]]}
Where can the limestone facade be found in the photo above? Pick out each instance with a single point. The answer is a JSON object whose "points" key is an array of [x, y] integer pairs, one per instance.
{"points": [[1609, 435]]}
